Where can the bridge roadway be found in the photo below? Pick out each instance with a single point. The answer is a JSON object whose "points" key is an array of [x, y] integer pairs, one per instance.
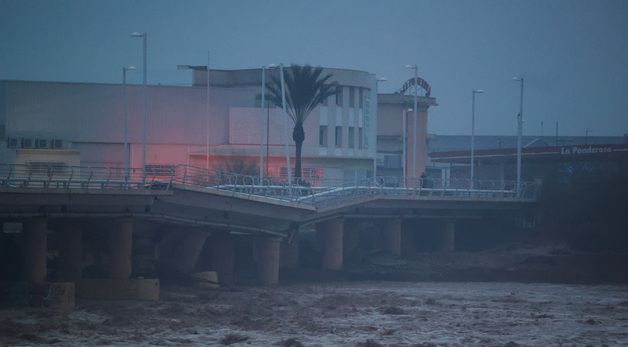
{"points": [[194, 203]]}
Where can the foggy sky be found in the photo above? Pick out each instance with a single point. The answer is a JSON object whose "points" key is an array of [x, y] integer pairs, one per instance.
{"points": [[573, 54]]}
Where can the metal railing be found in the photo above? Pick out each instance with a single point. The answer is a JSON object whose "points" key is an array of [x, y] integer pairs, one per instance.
{"points": [[322, 192], [55, 176]]}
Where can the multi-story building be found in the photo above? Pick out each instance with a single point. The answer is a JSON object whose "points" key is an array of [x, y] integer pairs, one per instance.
{"points": [[397, 157], [83, 124]]}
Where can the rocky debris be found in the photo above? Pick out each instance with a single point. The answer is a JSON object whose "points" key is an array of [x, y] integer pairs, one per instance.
{"points": [[230, 339]]}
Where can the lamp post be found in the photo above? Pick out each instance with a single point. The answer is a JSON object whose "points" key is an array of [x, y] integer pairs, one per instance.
{"points": [[473, 93], [519, 133], [261, 121], [207, 113], [144, 37], [377, 81], [404, 162], [125, 69], [414, 117], [261, 126], [285, 124]]}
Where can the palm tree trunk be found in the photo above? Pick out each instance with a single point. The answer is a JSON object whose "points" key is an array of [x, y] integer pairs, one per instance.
{"points": [[298, 135], [297, 162]]}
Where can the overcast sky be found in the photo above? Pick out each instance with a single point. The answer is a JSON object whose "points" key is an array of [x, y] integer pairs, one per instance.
{"points": [[573, 54]]}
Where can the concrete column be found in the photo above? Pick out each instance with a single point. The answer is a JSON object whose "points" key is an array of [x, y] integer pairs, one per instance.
{"points": [[448, 236], [120, 243], [188, 250], [289, 255], [268, 265], [392, 236], [223, 256], [331, 234], [70, 252], [35, 249]]}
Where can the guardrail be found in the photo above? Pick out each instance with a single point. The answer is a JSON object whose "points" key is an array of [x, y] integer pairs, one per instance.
{"points": [[81, 177], [320, 192]]}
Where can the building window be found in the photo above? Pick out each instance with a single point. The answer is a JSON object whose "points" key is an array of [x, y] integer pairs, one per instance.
{"points": [[361, 98], [351, 97], [326, 101], [360, 138], [322, 136], [351, 137], [339, 95], [338, 136]]}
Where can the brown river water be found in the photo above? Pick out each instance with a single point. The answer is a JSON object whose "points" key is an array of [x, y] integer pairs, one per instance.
{"points": [[339, 314]]}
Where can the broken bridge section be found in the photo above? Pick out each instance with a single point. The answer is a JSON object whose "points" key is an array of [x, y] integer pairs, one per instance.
{"points": [[190, 219]]}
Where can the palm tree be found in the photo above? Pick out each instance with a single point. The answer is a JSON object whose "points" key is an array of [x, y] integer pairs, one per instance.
{"points": [[305, 90]]}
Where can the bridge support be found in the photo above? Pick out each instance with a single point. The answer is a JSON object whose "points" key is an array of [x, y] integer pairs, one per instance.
{"points": [[289, 255], [120, 243], [392, 236], [35, 249], [223, 256], [70, 251], [448, 236], [186, 253], [331, 235], [268, 263]]}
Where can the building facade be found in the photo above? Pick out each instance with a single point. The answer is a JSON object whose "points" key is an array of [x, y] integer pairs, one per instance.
{"points": [[83, 124], [396, 156]]}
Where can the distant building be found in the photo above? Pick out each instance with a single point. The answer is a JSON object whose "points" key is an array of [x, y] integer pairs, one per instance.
{"points": [[495, 156], [76, 124], [395, 110], [82, 124]]}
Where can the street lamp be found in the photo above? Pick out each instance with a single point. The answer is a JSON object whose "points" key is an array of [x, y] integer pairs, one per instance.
{"points": [[207, 122], [261, 122], [125, 69], [473, 93], [285, 123], [144, 37], [404, 122], [519, 133], [377, 81], [414, 117]]}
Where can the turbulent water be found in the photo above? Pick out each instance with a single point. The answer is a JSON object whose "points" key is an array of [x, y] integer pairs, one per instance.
{"points": [[341, 314]]}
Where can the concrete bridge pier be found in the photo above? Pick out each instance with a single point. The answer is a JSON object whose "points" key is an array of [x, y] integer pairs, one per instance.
{"points": [[392, 236], [448, 236], [268, 260], [331, 234], [223, 256], [120, 246], [289, 254], [70, 251], [35, 249], [187, 252]]}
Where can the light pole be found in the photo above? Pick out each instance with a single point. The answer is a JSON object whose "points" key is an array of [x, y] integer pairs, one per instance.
{"points": [[285, 123], [261, 121], [404, 162], [126, 120], [473, 93], [207, 113], [377, 81], [414, 117], [519, 133], [261, 126], [144, 37]]}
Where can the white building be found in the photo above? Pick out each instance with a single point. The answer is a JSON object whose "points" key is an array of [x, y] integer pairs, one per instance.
{"points": [[82, 124], [74, 124]]}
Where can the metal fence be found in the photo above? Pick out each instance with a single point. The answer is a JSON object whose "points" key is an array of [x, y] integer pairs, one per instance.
{"points": [[56, 176], [324, 192]]}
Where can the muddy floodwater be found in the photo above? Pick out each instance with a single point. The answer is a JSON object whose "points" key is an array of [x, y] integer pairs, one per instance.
{"points": [[340, 314]]}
